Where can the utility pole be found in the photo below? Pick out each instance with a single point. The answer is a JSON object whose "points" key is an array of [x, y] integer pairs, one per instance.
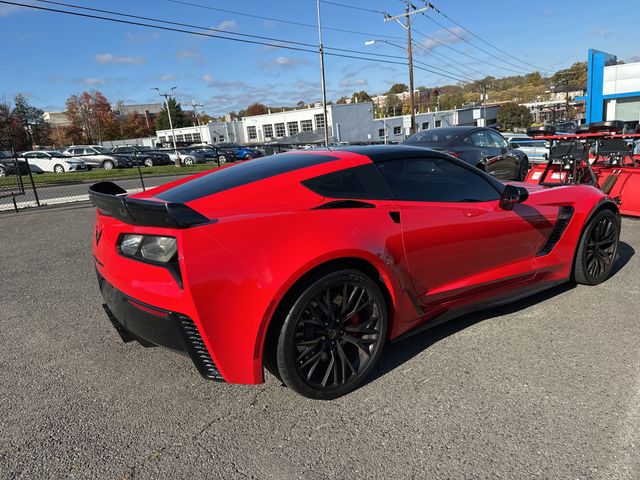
{"points": [[408, 12], [173, 135], [322, 80], [195, 112]]}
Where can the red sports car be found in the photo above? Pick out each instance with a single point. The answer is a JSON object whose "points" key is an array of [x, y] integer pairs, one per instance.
{"points": [[306, 263]]}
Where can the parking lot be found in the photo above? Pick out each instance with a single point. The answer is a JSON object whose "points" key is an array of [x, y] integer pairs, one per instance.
{"points": [[548, 387]]}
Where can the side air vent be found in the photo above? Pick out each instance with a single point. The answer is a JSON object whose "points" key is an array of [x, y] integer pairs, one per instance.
{"points": [[198, 350], [344, 204], [564, 216]]}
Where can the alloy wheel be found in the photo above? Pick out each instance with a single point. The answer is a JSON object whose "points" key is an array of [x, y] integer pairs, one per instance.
{"points": [[601, 248], [337, 334]]}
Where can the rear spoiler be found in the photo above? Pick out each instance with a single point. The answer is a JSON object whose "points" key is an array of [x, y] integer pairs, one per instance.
{"points": [[111, 200]]}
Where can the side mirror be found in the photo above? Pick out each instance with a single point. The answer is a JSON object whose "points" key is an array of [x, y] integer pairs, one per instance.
{"points": [[512, 195]]}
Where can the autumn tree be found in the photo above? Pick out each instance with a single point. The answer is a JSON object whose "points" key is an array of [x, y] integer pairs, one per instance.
{"points": [[254, 109], [360, 96], [342, 100], [398, 88], [91, 114]]}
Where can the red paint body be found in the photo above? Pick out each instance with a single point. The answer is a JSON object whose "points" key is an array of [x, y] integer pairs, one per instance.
{"points": [[440, 260]]}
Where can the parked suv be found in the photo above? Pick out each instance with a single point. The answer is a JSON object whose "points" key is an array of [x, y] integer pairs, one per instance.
{"points": [[145, 155], [98, 156]]}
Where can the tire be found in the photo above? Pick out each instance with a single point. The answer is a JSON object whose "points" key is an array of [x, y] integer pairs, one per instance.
{"points": [[597, 248], [3, 171], [222, 158], [108, 165], [248, 156], [188, 161], [331, 341], [148, 162], [57, 168], [523, 169]]}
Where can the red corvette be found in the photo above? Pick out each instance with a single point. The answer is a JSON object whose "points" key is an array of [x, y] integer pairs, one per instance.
{"points": [[306, 263]]}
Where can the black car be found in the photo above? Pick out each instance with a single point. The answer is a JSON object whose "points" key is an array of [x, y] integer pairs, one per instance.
{"points": [[8, 165], [145, 155], [210, 153], [481, 147]]}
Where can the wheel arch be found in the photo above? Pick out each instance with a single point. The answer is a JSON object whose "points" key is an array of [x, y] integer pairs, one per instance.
{"points": [[273, 318]]}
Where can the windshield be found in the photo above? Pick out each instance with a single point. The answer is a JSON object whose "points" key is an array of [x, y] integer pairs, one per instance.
{"points": [[56, 154], [433, 137], [102, 150]]}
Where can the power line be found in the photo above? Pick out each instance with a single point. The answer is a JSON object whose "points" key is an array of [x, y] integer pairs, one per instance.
{"points": [[353, 7], [460, 52], [444, 60], [280, 20], [457, 35], [167, 22], [484, 41], [211, 35]]}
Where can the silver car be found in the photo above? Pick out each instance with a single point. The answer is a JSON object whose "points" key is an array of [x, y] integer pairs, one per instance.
{"points": [[537, 150]]}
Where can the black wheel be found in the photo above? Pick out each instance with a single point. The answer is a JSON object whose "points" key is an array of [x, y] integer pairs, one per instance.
{"points": [[523, 169], [333, 335], [222, 158], [108, 165], [248, 156], [148, 162], [597, 248], [188, 161], [58, 168], [3, 171]]}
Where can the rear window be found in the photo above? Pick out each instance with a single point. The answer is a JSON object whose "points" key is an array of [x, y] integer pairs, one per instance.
{"points": [[357, 182], [241, 174]]}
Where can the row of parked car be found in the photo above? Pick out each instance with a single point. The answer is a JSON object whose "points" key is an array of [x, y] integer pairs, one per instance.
{"points": [[85, 157]]}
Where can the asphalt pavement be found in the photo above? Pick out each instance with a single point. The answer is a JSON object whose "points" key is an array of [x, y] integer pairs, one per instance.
{"points": [[545, 388]]}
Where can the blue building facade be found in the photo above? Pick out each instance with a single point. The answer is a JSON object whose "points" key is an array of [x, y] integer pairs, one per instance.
{"points": [[613, 90]]}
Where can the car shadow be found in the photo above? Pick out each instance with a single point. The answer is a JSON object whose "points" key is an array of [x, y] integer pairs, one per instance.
{"points": [[395, 354]]}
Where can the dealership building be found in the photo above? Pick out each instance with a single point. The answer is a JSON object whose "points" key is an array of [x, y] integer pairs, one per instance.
{"points": [[352, 123], [613, 90]]}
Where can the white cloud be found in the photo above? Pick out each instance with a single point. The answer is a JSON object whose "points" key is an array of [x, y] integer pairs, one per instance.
{"points": [[92, 81], [442, 37], [353, 82], [126, 59], [284, 63], [189, 54], [6, 10], [167, 78], [226, 25]]}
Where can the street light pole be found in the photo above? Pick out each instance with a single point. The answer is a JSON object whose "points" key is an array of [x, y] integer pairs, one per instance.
{"points": [[322, 79], [173, 135]]}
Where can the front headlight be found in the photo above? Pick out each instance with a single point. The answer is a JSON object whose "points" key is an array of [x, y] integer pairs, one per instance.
{"points": [[149, 247]]}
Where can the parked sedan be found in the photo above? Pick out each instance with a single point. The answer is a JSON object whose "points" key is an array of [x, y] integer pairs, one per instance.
{"points": [[98, 156], [481, 147], [185, 156], [145, 155], [54, 161], [8, 165]]}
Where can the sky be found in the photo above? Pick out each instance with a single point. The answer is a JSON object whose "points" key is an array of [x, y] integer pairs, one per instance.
{"points": [[48, 56]]}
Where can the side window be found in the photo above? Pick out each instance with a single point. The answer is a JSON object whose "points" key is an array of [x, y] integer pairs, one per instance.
{"points": [[480, 139], [358, 182], [435, 180], [498, 140], [30, 155]]}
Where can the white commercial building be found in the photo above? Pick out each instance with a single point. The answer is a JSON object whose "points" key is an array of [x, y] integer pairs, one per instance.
{"points": [[348, 123]]}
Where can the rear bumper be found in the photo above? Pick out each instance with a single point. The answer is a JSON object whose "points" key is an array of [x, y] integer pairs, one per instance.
{"points": [[152, 326]]}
